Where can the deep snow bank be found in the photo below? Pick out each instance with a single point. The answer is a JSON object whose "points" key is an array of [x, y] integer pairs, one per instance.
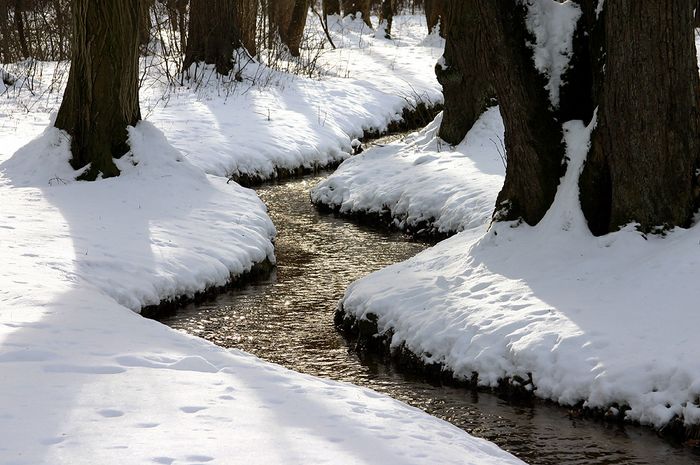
{"points": [[609, 321], [423, 182], [86, 380]]}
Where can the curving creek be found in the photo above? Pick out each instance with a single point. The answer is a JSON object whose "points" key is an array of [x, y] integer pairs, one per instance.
{"points": [[288, 319]]}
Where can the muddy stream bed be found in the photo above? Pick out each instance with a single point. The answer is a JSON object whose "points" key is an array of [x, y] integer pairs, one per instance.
{"points": [[288, 319]]}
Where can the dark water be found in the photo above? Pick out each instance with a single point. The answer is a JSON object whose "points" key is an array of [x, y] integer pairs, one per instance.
{"points": [[288, 319]]}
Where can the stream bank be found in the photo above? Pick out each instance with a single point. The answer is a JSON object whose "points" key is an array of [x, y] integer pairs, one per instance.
{"points": [[288, 318]]}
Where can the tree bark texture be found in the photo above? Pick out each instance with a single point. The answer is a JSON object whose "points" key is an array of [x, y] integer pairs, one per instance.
{"points": [[101, 97], [463, 73], [353, 7], [533, 138], [145, 22], [645, 148], [435, 14], [212, 34]]}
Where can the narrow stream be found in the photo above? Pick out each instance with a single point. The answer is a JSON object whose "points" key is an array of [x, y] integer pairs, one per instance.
{"points": [[288, 319]]}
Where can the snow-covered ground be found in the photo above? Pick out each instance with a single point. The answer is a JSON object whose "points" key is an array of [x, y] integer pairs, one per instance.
{"points": [[423, 182], [86, 380], [611, 321]]}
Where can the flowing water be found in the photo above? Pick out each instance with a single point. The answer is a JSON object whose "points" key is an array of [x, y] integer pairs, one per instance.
{"points": [[288, 319]]}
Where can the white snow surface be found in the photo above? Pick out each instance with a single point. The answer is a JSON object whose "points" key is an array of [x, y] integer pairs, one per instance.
{"points": [[604, 320], [301, 122], [553, 25], [423, 182], [87, 380]]}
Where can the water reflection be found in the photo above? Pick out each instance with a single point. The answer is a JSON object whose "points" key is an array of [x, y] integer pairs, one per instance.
{"points": [[288, 319]]}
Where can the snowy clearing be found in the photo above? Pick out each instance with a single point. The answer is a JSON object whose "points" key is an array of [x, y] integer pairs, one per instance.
{"points": [[87, 380], [589, 319]]}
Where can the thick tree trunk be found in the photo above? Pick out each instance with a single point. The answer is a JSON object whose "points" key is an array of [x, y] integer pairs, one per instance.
{"points": [[212, 35], [295, 32], [101, 97], [697, 14], [280, 14], [435, 14], [644, 151], [331, 7], [463, 71], [353, 7], [387, 16], [533, 138]]}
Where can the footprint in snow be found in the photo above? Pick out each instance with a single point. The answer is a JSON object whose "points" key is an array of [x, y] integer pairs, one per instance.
{"points": [[110, 413], [192, 409]]}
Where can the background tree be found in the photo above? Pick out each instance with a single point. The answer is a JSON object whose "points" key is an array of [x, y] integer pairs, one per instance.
{"points": [[353, 7], [434, 14], [330, 7], [216, 29], [101, 97], [463, 71], [386, 18]]}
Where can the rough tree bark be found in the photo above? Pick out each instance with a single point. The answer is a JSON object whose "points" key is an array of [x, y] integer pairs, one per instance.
{"points": [[435, 13], [463, 71], [101, 97], [533, 138], [353, 7], [331, 7], [645, 148], [212, 35]]}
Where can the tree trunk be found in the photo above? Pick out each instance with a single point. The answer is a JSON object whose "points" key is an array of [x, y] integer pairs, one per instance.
{"points": [[19, 26], [295, 31], [434, 13], [463, 72], [246, 21], [353, 7], [280, 13], [644, 151], [101, 97], [697, 14], [145, 22], [5, 52], [533, 138], [387, 16], [212, 34], [331, 7]]}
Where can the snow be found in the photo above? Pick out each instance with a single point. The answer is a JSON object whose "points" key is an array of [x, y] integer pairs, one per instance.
{"points": [[553, 24], [87, 380], [423, 182], [611, 321], [313, 121]]}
